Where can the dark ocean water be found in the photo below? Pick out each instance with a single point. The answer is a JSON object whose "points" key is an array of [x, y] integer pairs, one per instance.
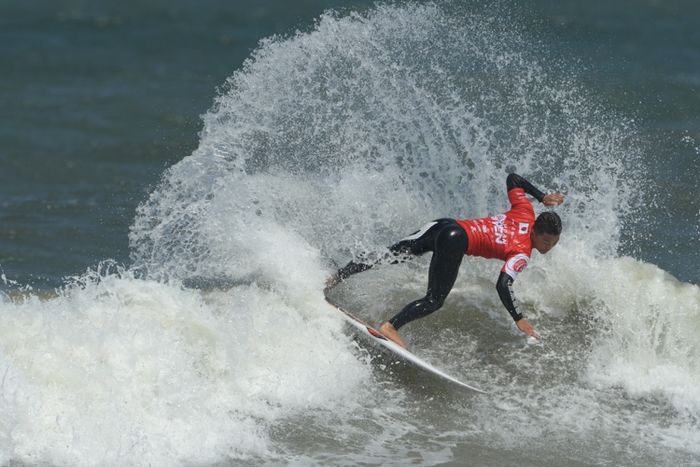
{"points": [[246, 148]]}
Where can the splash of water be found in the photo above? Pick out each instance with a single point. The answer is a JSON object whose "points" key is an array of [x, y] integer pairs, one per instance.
{"points": [[329, 142], [353, 134]]}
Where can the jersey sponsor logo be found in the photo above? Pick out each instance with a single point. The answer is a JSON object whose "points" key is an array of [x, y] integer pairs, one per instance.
{"points": [[516, 264], [499, 228]]}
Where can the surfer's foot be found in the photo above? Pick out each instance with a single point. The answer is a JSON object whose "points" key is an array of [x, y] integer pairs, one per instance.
{"points": [[332, 281], [387, 330]]}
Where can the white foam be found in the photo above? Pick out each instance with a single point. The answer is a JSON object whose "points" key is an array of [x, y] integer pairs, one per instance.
{"points": [[129, 371], [327, 143], [651, 345], [645, 325]]}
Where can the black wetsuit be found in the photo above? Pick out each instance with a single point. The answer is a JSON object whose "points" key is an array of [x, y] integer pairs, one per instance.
{"points": [[448, 241]]}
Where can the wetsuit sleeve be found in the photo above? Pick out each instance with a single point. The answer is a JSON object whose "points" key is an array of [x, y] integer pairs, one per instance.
{"points": [[504, 286], [516, 181]]}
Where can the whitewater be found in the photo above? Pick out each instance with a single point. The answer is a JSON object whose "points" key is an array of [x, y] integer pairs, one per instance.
{"points": [[215, 345]]}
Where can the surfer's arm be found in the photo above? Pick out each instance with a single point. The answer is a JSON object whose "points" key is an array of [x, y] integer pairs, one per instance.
{"points": [[516, 181], [504, 287]]}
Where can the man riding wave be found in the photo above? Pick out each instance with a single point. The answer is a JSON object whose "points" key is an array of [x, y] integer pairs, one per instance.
{"points": [[510, 237]]}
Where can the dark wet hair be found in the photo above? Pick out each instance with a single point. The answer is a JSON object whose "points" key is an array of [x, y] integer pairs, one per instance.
{"points": [[548, 222]]}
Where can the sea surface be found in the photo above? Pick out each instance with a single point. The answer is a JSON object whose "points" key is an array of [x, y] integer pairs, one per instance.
{"points": [[179, 178]]}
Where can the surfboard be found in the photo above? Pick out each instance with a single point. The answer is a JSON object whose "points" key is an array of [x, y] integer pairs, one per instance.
{"points": [[396, 349]]}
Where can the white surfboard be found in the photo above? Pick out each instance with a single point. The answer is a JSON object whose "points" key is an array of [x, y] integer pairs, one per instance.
{"points": [[398, 350]]}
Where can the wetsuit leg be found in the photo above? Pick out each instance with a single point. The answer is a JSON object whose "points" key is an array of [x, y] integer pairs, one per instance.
{"points": [[416, 244], [450, 245], [421, 241], [353, 267]]}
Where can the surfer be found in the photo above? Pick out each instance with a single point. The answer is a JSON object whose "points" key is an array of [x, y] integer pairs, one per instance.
{"points": [[510, 237]]}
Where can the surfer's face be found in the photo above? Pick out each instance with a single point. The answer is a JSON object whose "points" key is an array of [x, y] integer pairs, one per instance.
{"points": [[543, 242]]}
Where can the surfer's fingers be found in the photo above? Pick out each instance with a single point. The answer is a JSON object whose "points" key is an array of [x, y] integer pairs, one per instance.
{"points": [[527, 328], [553, 199]]}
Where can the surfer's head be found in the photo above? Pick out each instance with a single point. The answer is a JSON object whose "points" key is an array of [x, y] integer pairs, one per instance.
{"points": [[548, 222], [546, 231]]}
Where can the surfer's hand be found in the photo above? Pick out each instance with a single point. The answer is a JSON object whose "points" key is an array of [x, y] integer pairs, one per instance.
{"points": [[527, 328], [554, 199]]}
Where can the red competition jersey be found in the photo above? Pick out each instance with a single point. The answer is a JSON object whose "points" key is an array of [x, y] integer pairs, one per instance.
{"points": [[505, 236]]}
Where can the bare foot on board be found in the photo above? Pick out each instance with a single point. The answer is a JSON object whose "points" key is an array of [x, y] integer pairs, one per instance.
{"points": [[388, 331], [332, 281]]}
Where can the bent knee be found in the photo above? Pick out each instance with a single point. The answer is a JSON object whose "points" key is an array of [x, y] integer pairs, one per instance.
{"points": [[433, 303]]}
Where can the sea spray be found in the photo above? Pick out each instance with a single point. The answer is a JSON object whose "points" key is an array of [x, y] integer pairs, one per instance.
{"points": [[357, 132], [122, 370], [216, 344]]}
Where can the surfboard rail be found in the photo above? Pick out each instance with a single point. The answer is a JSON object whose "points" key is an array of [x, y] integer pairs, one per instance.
{"points": [[406, 355]]}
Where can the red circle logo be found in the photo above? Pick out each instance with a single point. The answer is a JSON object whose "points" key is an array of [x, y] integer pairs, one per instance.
{"points": [[519, 264]]}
